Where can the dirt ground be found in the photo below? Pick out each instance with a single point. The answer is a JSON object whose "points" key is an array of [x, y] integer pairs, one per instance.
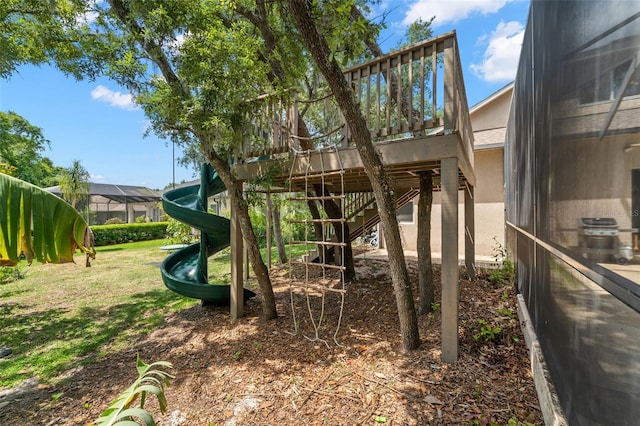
{"points": [[252, 372]]}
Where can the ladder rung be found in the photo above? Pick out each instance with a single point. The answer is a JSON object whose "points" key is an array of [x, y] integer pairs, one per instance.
{"points": [[320, 243], [323, 265], [330, 197], [317, 175], [319, 287], [317, 220]]}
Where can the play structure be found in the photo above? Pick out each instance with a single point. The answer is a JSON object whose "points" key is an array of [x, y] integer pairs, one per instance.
{"points": [[415, 105], [185, 271]]}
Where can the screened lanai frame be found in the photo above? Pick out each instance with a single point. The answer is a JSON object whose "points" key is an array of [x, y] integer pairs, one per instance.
{"points": [[118, 197], [570, 161]]}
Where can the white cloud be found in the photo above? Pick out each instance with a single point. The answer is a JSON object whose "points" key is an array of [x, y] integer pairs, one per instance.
{"points": [[176, 44], [91, 13], [115, 99], [95, 178], [450, 11], [500, 59]]}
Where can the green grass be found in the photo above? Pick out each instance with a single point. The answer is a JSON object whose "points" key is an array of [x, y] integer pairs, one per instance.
{"points": [[220, 271], [60, 316]]}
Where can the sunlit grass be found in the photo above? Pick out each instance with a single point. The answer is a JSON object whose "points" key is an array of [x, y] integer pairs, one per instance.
{"points": [[62, 316]]}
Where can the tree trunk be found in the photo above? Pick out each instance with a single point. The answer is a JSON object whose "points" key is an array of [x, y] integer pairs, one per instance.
{"points": [[407, 110], [382, 189], [333, 211], [342, 234], [259, 17], [425, 271], [277, 229], [156, 54], [234, 187], [318, 229]]}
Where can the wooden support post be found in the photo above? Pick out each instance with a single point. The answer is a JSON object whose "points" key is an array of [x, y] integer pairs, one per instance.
{"points": [[245, 262], [449, 179], [293, 123], [237, 291], [469, 232], [269, 213], [449, 87]]}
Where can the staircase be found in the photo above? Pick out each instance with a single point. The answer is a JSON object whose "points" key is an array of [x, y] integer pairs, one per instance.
{"points": [[364, 215], [361, 214]]}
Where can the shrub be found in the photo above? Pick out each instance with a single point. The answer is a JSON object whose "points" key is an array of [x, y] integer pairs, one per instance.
{"points": [[259, 223], [178, 232], [504, 274], [116, 234], [114, 221], [293, 228]]}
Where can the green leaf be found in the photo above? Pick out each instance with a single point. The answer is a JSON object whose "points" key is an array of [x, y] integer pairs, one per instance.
{"points": [[150, 380], [38, 224], [139, 413], [380, 419]]}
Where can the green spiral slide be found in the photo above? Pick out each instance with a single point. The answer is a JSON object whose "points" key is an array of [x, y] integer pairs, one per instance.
{"points": [[185, 271]]}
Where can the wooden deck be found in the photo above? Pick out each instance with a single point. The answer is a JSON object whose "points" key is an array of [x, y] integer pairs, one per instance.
{"points": [[402, 158], [415, 103]]}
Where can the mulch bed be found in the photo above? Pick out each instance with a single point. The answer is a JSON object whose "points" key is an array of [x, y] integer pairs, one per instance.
{"points": [[255, 372]]}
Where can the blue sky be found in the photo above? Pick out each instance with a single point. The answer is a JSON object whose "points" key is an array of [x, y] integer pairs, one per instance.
{"points": [[97, 123]]}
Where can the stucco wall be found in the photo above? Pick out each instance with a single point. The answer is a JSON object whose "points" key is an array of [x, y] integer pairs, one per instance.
{"points": [[489, 209], [493, 117], [489, 121]]}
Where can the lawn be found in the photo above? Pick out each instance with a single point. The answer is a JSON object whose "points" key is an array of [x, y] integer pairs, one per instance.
{"points": [[61, 316]]}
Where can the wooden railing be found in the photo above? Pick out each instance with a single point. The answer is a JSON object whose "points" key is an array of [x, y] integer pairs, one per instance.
{"points": [[413, 92], [272, 120], [456, 109], [356, 202]]}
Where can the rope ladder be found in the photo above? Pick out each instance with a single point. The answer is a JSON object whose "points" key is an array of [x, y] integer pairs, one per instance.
{"points": [[327, 282]]}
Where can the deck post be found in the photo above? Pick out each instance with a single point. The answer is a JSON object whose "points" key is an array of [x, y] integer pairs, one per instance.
{"points": [[237, 291], [269, 225], [469, 232], [449, 185], [294, 121], [449, 87], [245, 262]]}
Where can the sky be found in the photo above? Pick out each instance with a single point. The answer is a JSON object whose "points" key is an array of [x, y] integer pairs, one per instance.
{"points": [[97, 123]]}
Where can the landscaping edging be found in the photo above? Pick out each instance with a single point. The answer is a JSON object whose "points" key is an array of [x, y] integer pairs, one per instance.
{"points": [[549, 402]]}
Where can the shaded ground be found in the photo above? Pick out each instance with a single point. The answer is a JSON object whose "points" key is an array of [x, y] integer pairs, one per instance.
{"points": [[251, 372]]}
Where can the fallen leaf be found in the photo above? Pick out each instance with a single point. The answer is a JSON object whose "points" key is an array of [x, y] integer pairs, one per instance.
{"points": [[430, 399]]}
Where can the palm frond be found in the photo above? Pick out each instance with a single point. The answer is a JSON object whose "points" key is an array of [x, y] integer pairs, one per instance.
{"points": [[39, 225]]}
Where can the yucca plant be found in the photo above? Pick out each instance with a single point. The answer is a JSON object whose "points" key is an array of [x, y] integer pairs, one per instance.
{"points": [[150, 380], [36, 224]]}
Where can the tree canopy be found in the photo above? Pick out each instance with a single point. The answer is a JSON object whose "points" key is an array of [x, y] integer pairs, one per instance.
{"points": [[21, 147], [195, 67]]}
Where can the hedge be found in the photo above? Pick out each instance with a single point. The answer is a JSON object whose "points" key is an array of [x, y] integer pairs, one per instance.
{"points": [[128, 232]]}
